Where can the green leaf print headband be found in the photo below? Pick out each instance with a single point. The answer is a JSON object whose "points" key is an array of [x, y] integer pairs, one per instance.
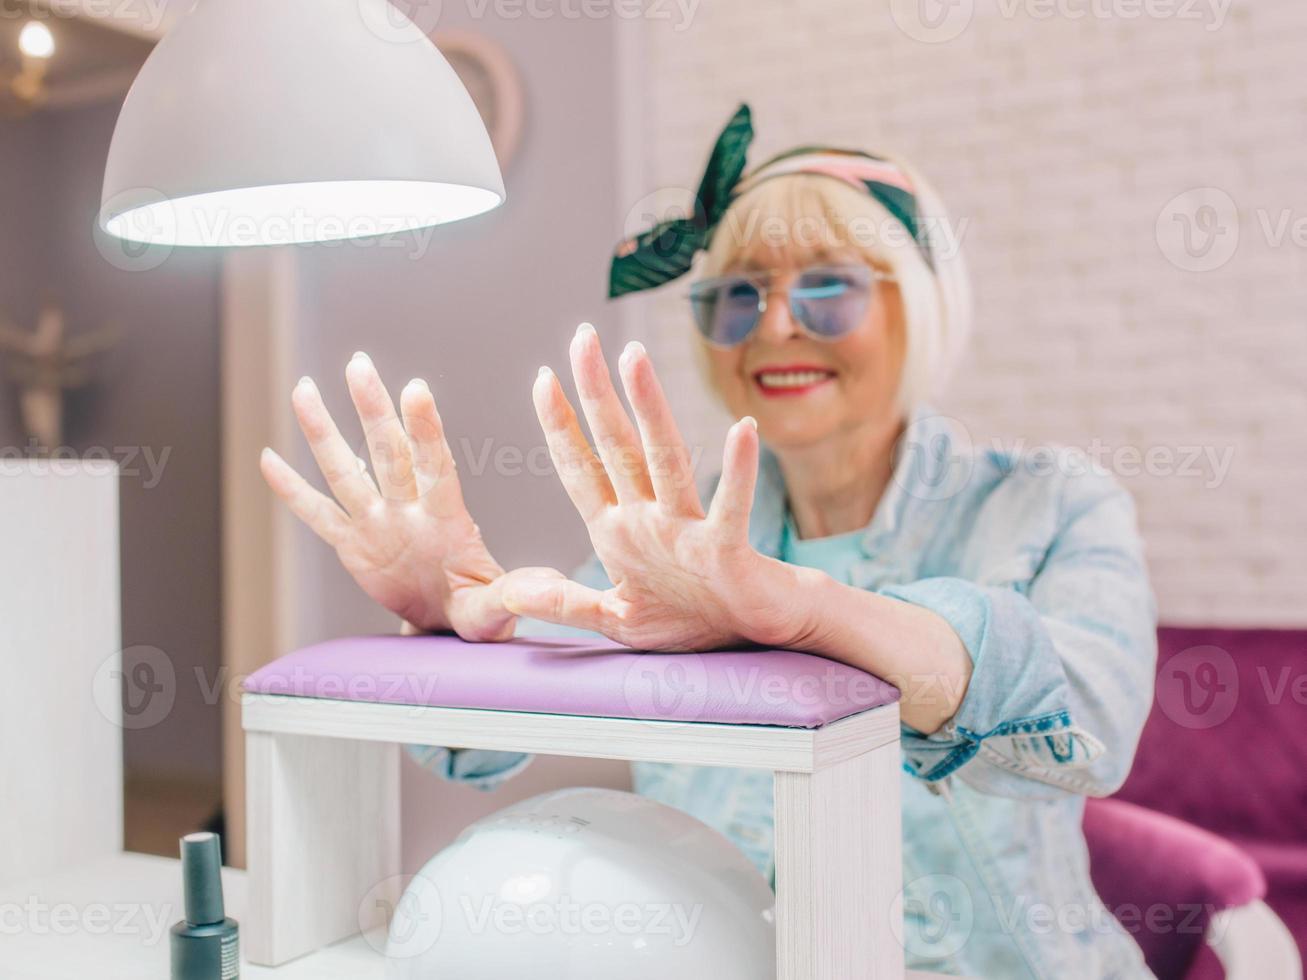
{"points": [[666, 251]]}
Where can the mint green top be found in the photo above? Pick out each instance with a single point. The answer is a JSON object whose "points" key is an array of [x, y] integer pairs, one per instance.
{"points": [[836, 555]]}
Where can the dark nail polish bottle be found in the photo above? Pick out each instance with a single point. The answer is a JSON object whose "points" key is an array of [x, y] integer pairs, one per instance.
{"points": [[206, 944]]}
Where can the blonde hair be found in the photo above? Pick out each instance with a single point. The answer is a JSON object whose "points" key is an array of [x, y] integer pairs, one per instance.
{"points": [[815, 215]]}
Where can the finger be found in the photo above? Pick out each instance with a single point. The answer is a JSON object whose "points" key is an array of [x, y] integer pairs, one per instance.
{"points": [[733, 500], [312, 507], [433, 463], [615, 437], [482, 615], [335, 459], [665, 453], [559, 601], [578, 468], [479, 614], [388, 445]]}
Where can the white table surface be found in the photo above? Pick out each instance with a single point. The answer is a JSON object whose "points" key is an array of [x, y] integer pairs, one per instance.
{"points": [[110, 921]]}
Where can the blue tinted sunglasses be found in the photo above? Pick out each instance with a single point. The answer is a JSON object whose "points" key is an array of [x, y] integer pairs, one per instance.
{"points": [[827, 301]]}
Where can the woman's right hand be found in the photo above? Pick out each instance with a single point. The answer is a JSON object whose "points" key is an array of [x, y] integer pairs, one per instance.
{"points": [[408, 538]]}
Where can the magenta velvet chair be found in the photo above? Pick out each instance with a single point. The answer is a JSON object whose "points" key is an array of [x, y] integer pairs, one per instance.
{"points": [[1224, 751], [1192, 900]]}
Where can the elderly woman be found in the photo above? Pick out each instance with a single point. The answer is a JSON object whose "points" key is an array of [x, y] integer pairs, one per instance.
{"points": [[1006, 596]]}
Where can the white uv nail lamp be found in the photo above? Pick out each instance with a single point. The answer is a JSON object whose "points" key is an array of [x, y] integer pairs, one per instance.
{"points": [[588, 884]]}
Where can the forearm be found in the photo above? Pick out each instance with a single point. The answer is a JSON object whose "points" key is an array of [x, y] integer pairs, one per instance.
{"points": [[909, 646]]}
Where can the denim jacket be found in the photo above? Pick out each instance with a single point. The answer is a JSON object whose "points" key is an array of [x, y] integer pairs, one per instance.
{"points": [[1035, 561]]}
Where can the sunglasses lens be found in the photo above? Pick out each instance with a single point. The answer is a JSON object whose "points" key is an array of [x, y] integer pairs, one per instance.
{"points": [[831, 302], [725, 310]]}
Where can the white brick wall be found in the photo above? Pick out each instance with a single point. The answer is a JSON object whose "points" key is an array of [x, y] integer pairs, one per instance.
{"points": [[1060, 139]]}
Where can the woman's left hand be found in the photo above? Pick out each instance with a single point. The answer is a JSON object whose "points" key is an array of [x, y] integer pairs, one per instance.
{"points": [[682, 579]]}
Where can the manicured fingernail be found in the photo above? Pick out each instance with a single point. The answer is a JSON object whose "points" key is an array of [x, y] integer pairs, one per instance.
{"points": [[750, 420], [634, 349], [585, 329], [421, 384], [360, 356], [305, 381], [545, 372]]}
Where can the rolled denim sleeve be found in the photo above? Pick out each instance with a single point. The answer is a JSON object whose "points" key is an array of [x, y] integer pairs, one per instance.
{"points": [[1063, 660], [485, 769]]}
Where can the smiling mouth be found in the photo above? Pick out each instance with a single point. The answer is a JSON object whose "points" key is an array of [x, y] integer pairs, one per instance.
{"points": [[791, 379]]}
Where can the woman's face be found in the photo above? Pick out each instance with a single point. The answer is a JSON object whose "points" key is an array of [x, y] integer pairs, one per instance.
{"points": [[854, 380]]}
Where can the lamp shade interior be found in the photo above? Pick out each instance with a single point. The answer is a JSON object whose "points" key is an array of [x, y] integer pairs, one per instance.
{"points": [[289, 214]]}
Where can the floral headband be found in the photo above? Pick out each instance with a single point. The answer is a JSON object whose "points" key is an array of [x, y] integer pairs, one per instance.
{"points": [[666, 251]]}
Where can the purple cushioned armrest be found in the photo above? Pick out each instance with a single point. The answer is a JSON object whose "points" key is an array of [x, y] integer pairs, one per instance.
{"points": [[579, 677]]}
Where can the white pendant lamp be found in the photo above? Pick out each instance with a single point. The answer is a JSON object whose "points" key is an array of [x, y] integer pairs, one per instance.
{"points": [[271, 122]]}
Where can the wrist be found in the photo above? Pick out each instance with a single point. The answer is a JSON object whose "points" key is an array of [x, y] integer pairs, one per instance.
{"points": [[809, 600], [794, 595]]}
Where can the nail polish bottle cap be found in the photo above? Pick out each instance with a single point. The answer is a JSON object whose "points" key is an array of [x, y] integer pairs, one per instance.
{"points": [[202, 879]]}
